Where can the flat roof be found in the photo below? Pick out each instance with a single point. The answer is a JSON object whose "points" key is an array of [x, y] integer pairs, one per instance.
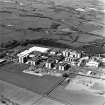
{"points": [[40, 49], [23, 53], [35, 48], [1, 60]]}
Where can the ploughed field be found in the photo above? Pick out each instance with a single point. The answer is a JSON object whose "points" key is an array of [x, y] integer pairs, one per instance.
{"points": [[66, 24]]}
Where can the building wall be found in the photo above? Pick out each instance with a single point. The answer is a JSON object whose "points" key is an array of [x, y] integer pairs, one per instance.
{"points": [[92, 63], [21, 58]]}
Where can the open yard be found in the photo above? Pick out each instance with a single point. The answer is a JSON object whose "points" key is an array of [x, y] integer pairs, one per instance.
{"points": [[77, 94]]}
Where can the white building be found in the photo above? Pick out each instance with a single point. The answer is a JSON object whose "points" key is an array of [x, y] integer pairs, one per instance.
{"points": [[23, 55], [66, 53], [40, 49], [92, 63], [71, 53], [54, 51], [80, 9], [83, 59], [103, 60], [2, 60], [63, 66], [49, 65], [74, 54], [68, 59]]}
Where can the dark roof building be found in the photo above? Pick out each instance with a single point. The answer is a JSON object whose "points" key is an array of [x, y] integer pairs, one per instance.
{"points": [[63, 66], [50, 64]]}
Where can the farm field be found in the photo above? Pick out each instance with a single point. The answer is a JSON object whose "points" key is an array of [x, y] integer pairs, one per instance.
{"points": [[23, 96], [18, 21], [40, 85], [17, 94]]}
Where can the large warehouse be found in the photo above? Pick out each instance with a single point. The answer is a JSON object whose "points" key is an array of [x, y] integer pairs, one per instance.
{"points": [[25, 53]]}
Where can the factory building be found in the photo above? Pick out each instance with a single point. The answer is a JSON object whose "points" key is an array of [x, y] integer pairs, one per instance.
{"points": [[71, 53], [39, 49], [35, 54], [23, 55], [82, 61], [34, 61], [58, 58], [63, 66], [66, 53], [49, 64], [69, 59], [2, 61], [102, 60], [74, 54], [54, 51], [92, 63]]}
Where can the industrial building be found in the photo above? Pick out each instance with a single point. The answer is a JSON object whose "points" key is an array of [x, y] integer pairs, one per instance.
{"points": [[53, 61], [92, 63], [2, 61], [54, 51], [69, 59], [34, 61], [49, 57], [63, 66], [66, 53], [71, 53], [57, 58], [24, 55], [49, 64]]}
